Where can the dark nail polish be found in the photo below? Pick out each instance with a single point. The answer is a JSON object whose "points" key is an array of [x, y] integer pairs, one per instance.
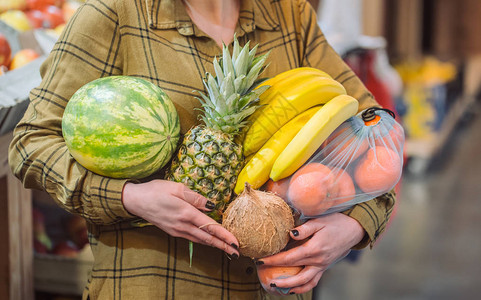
{"points": [[259, 262], [235, 246], [234, 255], [273, 285], [295, 232], [292, 293], [210, 205]]}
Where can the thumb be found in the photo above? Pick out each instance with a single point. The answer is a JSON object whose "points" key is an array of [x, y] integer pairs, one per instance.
{"points": [[197, 200], [307, 229]]}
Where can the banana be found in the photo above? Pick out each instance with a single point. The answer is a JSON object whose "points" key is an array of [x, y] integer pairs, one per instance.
{"points": [[286, 101], [294, 73], [256, 171], [313, 134]]}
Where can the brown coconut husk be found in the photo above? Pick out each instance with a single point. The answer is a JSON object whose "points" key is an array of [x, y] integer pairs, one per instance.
{"points": [[260, 221]]}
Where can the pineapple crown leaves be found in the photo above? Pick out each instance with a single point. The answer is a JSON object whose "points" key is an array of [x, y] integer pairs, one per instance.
{"points": [[232, 95]]}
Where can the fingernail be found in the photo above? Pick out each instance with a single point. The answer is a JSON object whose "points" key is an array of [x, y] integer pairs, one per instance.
{"points": [[273, 285], [292, 293], [295, 232], [259, 262], [235, 246], [210, 205], [234, 255]]}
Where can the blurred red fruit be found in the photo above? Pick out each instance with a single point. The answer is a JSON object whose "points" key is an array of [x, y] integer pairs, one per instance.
{"points": [[5, 51], [65, 248], [54, 16], [77, 230], [37, 19], [39, 4]]}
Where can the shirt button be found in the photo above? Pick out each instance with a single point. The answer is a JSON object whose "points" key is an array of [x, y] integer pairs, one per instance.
{"points": [[249, 270]]}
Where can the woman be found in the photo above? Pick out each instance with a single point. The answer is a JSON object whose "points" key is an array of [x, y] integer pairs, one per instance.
{"points": [[172, 43]]}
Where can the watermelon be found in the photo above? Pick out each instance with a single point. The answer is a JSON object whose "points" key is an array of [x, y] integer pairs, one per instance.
{"points": [[121, 127]]}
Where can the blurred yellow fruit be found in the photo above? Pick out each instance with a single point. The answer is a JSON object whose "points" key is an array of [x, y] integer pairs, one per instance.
{"points": [[22, 58], [16, 19], [58, 30], [12, 4]]}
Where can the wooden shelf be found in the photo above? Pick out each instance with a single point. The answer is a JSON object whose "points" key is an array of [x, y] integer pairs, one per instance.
{"points": [[16, 253], [70, 275]]}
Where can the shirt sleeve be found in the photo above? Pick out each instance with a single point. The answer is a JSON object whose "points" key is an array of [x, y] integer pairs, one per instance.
{"points": [[374, 214], [88, 48]]}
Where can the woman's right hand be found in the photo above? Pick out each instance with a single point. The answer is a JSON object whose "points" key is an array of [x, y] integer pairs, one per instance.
{"points": [[177, 210]]}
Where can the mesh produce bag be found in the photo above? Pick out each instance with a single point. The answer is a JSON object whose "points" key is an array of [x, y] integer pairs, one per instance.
{"points": [[359, 161]]}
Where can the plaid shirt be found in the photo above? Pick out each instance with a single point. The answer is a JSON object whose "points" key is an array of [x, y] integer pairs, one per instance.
{"points": [[157, 41]]}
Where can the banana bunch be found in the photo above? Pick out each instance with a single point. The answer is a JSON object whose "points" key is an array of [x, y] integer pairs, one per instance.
{"points": [[290, 93], [300, 110]]}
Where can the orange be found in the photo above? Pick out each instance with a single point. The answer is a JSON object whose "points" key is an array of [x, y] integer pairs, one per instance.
{"points": [[278, 187], [394, 139], [309, 188], [267, 273], [378, 170], [349, 146], [344, 187], [315, 188]]}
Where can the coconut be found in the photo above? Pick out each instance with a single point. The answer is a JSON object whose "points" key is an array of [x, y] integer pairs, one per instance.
{"points": [[260, 221]]}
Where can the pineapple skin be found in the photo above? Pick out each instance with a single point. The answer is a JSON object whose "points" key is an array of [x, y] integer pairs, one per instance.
{"points": [[208, 162]]}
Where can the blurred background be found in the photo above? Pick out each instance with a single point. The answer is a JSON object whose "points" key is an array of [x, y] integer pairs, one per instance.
{"points": [[420, 58]]}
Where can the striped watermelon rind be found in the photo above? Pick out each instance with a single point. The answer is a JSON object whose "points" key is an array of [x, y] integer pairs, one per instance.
{"points": [[121, 127]]}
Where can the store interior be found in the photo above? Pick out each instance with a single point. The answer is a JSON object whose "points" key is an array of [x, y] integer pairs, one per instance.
{"points": [[419, 58]]}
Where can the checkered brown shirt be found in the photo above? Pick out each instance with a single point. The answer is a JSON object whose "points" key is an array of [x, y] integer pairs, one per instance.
{"points": [[156, 40]]}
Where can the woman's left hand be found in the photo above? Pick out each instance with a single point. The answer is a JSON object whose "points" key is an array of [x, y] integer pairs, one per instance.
{"points": [[330, 239]]}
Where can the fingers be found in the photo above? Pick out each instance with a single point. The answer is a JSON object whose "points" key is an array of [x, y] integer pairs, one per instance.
{"points": [[196, 199], [303, 282], [297, 256], [307, 229], [208, 225], [185, 220], [202, 237]]}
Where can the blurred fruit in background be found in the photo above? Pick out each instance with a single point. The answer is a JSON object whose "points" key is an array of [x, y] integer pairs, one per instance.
{"points": [[53, 15], [40, 4], [425, 94], [77, 231], [41, 241], [5, 51], [65, 248], [25, 15], [16, 19], [37, 19], [69, 8], [58, 30], [22, 58], [12, 4]]}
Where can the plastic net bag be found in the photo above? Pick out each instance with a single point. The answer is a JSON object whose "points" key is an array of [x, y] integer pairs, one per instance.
{"points": [[359, 161]]}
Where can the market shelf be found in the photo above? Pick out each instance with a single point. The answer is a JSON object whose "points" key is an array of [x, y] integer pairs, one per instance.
{"points": [[422, 151]]}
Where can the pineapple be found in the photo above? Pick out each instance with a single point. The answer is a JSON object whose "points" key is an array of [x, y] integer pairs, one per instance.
{"points": [[209, 158]]}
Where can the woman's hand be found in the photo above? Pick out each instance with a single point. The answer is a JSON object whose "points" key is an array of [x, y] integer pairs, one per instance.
{"points": [[176, 209], [330, 238]]}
